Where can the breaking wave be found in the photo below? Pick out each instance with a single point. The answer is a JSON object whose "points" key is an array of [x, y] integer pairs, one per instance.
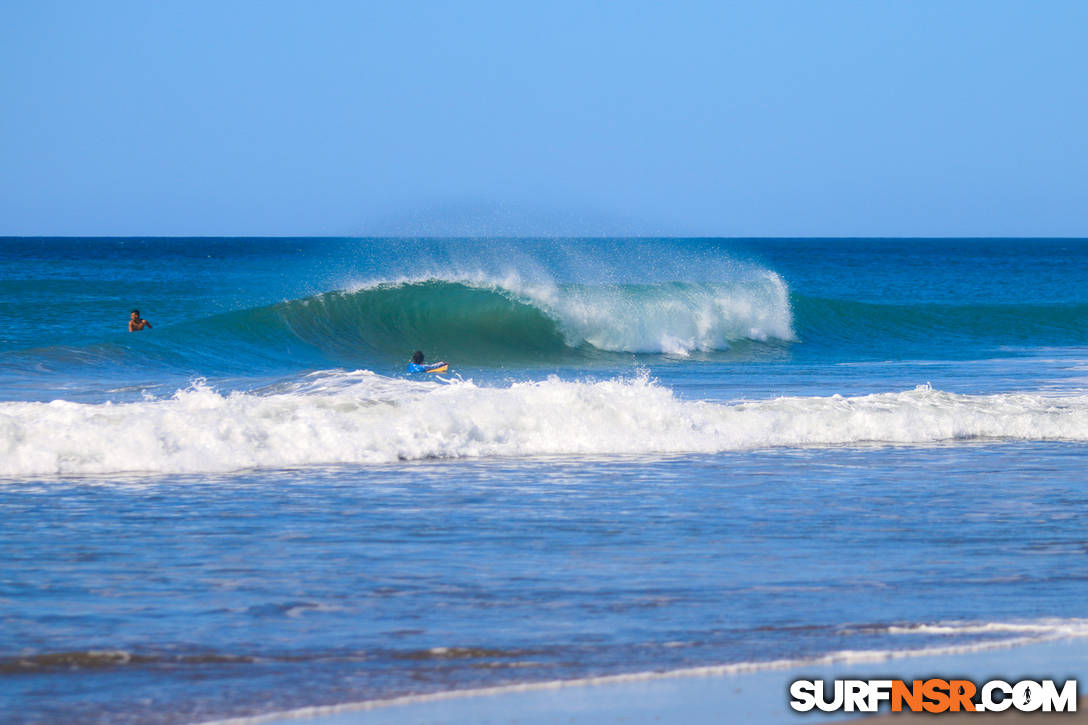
{"points": [[364, 418], [486, 318]]}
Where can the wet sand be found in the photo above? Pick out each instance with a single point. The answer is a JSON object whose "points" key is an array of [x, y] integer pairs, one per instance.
{"points": [[749, 697], [1000, 718]]}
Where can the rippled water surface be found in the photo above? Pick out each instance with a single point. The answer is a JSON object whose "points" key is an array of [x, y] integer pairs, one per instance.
{"points": [[648, 455]]}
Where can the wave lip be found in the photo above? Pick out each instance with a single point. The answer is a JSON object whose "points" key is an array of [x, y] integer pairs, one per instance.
{"points": [[476, 315], [364, 418], [674, 318]]}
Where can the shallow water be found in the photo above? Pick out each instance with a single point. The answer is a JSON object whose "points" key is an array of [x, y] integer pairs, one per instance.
{"points": [[655, 454]]}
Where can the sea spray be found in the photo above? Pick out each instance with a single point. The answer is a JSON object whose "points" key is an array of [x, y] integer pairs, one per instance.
{"points": [[361, 417], [473, 315]]}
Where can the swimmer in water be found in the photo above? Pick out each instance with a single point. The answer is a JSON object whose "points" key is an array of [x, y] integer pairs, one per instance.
{"points": [[417, 366], [137, 323]]}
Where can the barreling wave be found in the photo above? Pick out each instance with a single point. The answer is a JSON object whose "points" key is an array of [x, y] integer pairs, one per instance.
{"points": [[484, 318], [479, 319], [352, 418], [468, 319], [489, 320]]}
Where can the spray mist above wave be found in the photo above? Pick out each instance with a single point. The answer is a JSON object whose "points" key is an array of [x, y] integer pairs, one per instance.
{"points": [[351, 418], [470, 319], [476, 313], [614, 295], [370, 303]]}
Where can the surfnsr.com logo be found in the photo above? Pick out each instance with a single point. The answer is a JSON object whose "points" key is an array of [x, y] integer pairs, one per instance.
{"points": [[933, 695]]}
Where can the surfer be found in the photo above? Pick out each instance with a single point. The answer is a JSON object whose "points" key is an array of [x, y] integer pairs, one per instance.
{"points": [[137, 323], [417, 365]]}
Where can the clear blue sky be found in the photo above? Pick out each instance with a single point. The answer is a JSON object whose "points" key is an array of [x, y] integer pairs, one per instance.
{"points": [[914, 117]]}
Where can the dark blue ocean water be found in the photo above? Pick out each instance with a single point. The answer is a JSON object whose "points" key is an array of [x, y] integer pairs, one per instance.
{"points": [[647, 455]]}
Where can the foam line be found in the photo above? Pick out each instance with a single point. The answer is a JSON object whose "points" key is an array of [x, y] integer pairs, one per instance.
{"points": [[674, 318], [363, 418], [1048, 630]]}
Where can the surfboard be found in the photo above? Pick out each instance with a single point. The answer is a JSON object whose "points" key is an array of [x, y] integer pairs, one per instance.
{"points": [[438, 367]]}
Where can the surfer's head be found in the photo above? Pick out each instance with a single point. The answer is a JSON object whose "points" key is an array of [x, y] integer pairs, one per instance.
{"points": [[417, 357], [135, 314]]}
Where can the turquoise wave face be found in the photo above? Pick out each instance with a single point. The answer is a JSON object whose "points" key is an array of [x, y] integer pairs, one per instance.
{"points": [[482, 320], [449, 320], [262, 307], [702, 396], [482, 323]]}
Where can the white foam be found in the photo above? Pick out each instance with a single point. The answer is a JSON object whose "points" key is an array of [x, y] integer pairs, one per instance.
{"points": [[672, 318], [1050, 627], [1042, 631], [360, 417], [675, 319]]}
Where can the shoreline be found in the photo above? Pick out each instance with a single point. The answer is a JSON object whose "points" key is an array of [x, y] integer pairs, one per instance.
{"points": [[748, 692], [1009, 717]]}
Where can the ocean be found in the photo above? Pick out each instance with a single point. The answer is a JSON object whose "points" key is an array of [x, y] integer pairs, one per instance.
{"points": [[647, 455]]}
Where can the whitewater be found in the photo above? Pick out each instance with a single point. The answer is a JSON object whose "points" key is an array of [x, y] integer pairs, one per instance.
{"points": [[650, 458], [335, 418]]}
